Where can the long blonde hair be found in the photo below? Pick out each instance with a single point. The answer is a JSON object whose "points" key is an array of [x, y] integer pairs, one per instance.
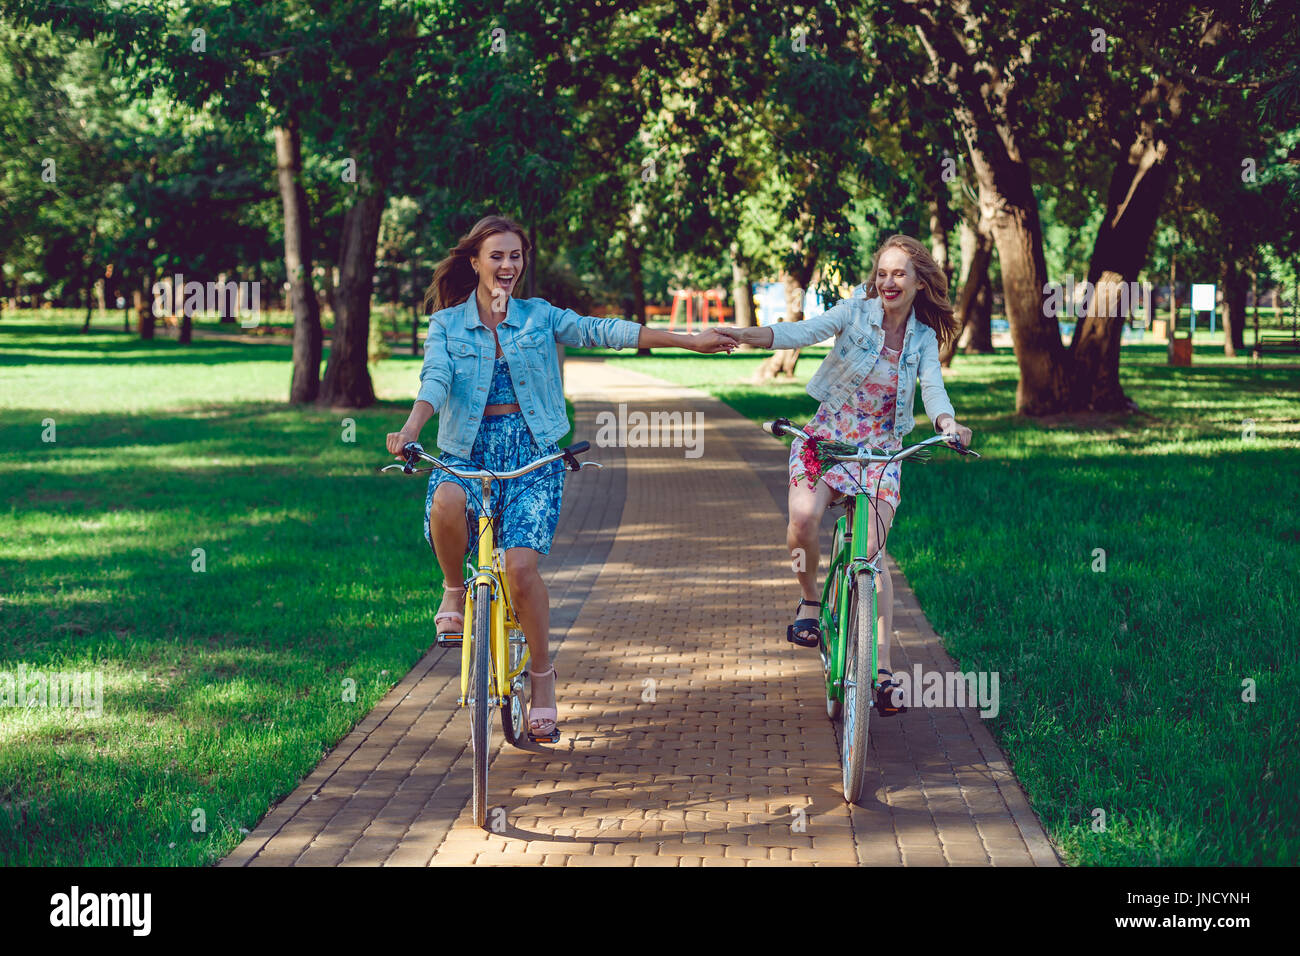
{"points": [[931, 302], [454, 278]]}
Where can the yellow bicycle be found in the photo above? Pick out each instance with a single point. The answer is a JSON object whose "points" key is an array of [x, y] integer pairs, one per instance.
{"points": [[493, 654]]}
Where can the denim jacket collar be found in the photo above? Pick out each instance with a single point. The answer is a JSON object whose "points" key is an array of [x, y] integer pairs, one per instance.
{"points": [[470, 312], [876, 311]]}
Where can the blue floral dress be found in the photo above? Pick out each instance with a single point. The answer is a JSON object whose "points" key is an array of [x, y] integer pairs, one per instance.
{"points": [[528, 507]]}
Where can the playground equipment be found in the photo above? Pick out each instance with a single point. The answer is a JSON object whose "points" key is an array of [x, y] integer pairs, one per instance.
{"points": [[717, 298]]}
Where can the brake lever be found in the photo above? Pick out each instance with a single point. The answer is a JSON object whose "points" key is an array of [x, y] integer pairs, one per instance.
{"points": [[956, 445]]}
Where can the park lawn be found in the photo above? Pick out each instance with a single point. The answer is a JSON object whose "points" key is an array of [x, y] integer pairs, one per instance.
{"points": [[1121, 690], [222, 688]]}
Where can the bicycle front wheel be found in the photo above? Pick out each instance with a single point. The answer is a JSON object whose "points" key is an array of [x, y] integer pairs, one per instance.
{"points": [[859, 684], [480, 691]]}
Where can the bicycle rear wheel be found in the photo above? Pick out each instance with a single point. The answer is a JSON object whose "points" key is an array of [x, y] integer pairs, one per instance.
{"points": [[859, 684], [480, 692]]}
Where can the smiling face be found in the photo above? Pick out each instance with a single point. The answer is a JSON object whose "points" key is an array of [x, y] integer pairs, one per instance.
{"points": [[499, 263], [896, 281]]}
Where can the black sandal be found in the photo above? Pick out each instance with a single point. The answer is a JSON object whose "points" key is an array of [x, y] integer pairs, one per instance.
{"points": [[811, 626], [885, 705]]}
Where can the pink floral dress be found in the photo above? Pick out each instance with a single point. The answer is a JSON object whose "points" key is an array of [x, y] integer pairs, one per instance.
{"points": [[866, 420]]}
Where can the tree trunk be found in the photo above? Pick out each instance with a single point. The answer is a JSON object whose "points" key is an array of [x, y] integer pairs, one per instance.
{"points": [[1254, 293], [1173, 305], [89, 292], [144, 309], [307, 335], [1007, 201], [89, 287], [940, 224], [187, 324], [1234, 280], [974, 306], [742, 290], [347, 379], [1137, 188]]}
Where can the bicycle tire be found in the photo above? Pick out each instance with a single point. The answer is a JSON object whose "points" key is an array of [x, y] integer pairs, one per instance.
{"points": [[480, 694], [859, 687]]}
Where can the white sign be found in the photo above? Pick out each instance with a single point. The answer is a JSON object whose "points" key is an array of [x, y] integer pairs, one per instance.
{"points": [[1202, 298]]}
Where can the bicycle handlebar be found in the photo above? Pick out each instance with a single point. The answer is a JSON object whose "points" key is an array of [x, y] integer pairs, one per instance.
{"points": [[783, 426], [413, 452]]}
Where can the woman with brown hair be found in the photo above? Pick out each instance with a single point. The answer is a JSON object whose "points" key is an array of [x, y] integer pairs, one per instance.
{"points": [[492, 376], [887, 336]]}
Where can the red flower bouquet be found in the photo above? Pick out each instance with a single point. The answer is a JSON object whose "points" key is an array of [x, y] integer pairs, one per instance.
{"points": [[818, 454]]}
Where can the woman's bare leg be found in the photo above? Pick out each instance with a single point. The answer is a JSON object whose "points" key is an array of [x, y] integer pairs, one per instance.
{"points": [[879, 521], [532, 604], [447, 528], [807, 505]]}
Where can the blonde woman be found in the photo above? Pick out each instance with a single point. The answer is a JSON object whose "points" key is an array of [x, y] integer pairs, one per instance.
{"points": [[492, 375], [887, 338]]}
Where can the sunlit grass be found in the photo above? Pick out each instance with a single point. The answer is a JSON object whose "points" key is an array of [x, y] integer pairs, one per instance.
{"points": [[233, 568]]}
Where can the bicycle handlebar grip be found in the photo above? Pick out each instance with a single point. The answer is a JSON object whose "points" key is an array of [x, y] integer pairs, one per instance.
{"points": [[578, 448], [411, 453]]}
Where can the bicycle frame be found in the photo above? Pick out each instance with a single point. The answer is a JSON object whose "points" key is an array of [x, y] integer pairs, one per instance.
{"points": [[848, 557], [491, 571]]}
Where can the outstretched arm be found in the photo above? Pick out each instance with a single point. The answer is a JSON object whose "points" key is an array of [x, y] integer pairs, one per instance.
{"points": [[710, 341], [587, 331], [797, 335]]}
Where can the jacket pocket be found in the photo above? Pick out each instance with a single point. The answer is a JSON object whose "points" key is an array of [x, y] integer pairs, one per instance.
{"points": [[532, 346]]}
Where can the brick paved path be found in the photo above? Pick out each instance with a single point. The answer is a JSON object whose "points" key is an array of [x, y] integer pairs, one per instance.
{"points": [[693, 733]]}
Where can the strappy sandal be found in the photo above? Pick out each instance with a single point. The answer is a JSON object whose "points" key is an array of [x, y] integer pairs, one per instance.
{"points": [[544, 716], [450, 624], [885, 705], [811, 627]]}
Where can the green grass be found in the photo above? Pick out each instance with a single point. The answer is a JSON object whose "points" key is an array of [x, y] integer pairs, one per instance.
{"points": [[1120, 689], [223, 687]]}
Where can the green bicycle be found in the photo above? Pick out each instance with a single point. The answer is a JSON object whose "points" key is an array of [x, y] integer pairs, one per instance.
{"points": [[847, 645]]}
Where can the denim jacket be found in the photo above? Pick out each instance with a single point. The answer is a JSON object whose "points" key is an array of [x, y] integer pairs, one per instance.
{"points": [[460, 352], [857, 324]]}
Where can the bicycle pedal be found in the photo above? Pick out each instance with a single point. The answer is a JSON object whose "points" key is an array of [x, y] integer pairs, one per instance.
{"points": [[553, 738], [449, 641]]}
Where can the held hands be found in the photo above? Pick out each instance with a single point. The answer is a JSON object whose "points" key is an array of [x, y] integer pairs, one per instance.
{"points": [[715, 340], [761, 337]]}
